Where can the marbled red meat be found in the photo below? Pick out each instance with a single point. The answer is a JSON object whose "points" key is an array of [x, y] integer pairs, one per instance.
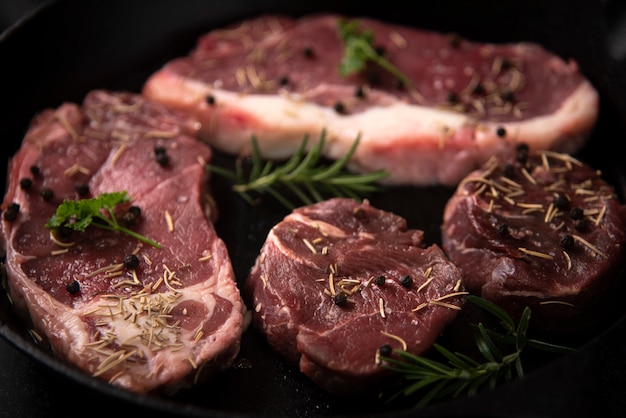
{"points": [[277, 78], [338, 280], [544, 231], [174, 318]]}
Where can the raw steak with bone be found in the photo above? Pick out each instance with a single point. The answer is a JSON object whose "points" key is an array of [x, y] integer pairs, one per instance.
{"points": [[278, 79], [143, 318], [339, 283]]}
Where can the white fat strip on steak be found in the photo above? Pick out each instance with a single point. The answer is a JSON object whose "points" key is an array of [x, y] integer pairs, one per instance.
{"points": [[418, 144]]}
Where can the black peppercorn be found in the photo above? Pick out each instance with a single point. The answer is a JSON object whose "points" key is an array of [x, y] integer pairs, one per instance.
{"points": [[478, 89], [379, 281], [567, 241], [308, 52], [452, 97], [576, 213], [522, 153], [26, 183], [161, 156], [34, 169], [359, 92], [210, 99], [73, 287], [560, 201], [406, 281], [385, 350], [501, 131], [339, 107], [283, 81], [507, 96], [82, 189], [581, 225], [64, 231], [46, 193], [131, 261], [340, 299], [10, 214], [509, 170]]}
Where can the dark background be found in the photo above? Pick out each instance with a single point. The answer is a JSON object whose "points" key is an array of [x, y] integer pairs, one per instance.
{"points": [[13, 10]]}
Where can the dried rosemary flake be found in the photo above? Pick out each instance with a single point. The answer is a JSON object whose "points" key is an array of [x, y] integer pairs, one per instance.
{"points": [[419, 307], [116, 376], [170, 222], [59, 252], [569, 260], [600, 215], [197, 336], [450, 295], [592, 247], [75, 169], [444, 304], [331, 284], [563, 157], [528, 176], [535, 253], [555, 302], [309, 245], [206, 255], [35, 336], [426, 283], [397, 338]]}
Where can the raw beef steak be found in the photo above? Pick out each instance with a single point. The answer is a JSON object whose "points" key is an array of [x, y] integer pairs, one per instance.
{"points": [[338, 281], [144, 319], [542, 230], [278, 79]]}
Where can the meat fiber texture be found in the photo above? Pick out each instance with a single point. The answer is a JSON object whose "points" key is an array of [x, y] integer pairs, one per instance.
{"points": [[544, 231], [177, 317], [277, 79], [338, 280]]}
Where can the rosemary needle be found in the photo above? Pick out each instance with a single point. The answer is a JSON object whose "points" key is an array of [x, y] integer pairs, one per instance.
{"points": [[432, 379], [306, 175]]}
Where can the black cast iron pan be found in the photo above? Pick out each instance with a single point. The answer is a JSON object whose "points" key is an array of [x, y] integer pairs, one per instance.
{"points": [[71, 46]]}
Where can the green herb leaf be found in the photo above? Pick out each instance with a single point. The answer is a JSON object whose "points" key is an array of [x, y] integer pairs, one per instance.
{"points": [[305, 175], [79, 214], [432, 379], [358, 51]]}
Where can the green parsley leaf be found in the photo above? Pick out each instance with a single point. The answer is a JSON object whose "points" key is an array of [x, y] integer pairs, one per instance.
{"points": [[79, 214], [358, 51]]}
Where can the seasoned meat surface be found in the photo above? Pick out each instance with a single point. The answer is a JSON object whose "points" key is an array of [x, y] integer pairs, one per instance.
{"points": [[143, 318], [338, 280], [278, 78], [543, 230]]}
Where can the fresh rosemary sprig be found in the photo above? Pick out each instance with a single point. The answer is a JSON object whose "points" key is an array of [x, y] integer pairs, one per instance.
{"points": [[305, 175], [358, 51], [79, 214], [432, 379]]}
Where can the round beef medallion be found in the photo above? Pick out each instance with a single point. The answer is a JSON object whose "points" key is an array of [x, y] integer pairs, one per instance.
{"points": [[539, 229], [339, 284]]}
